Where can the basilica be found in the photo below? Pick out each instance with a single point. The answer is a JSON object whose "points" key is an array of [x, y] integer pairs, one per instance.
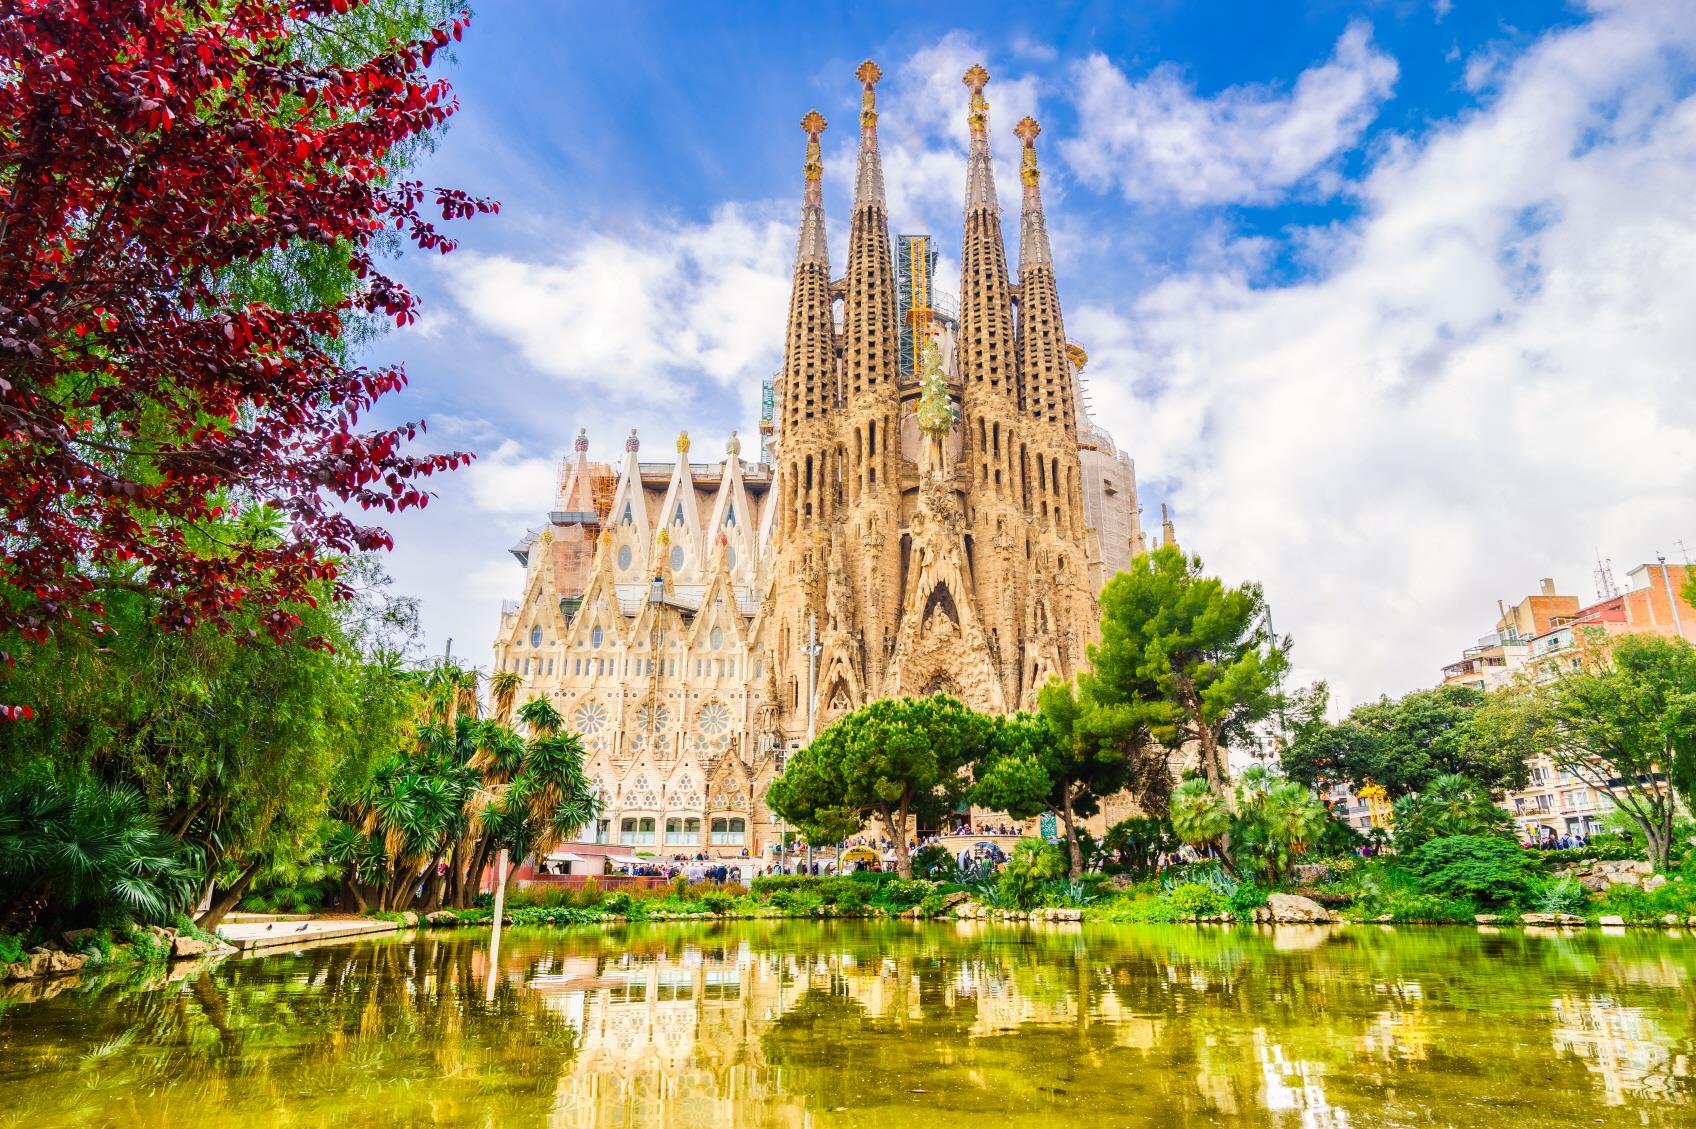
{"points": [[931, 509]]}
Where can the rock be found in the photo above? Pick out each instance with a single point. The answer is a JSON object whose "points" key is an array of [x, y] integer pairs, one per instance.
{"points": [[1551, 919], [442, 917], [1654, 882], [1612, 919], [1312, 874], [1381, 919], [1293, 909], [1672, 919], [183, 946], [73, 938], [20, 970], [410, 917], [1489, 919]]}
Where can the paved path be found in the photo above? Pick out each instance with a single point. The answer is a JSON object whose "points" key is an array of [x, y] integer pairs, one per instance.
{"points": [[248, 936]]}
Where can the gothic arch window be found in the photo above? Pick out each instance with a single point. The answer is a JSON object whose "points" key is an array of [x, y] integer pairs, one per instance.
{"points": [[625, 556], [730, 514], [676, 557], [677, 518], [627, 519], [535, 636], [596, 637]]}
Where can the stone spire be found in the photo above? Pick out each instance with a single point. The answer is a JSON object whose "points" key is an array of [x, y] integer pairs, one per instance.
{"points": [[986, 301], [1045, 374], [870, 338], [1168, 533], [809, 359], [811, 247], [868, 176]]}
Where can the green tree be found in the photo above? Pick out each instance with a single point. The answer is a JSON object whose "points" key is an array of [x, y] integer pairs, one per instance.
{"points": [[894, 760], [1191, 658], [1627, 730], [1277, 819], [1065, 759], [1449, 805], [1403, 744], [1135, 845], [1200, 818]]}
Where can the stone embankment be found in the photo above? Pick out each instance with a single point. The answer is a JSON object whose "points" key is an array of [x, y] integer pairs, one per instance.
{"points": [[61, 957], [1597, 875]]}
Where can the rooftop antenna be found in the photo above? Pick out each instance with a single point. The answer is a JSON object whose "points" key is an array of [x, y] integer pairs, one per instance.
{"points": [[1606, 589], [1683, 551]]}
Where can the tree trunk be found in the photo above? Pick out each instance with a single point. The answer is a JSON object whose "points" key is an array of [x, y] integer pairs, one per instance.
{"points": [[896, 822], [225, 902], [355, 896], [1077, 868]]}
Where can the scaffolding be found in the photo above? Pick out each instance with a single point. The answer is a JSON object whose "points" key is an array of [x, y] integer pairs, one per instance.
{"points": [[768, 415], [915, 266]]}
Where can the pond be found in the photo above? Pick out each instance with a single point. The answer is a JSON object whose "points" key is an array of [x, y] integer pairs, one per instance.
{"points": [[887, 1024]]}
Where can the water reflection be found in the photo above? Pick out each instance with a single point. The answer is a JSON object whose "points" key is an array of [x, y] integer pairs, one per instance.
{"points": [[887, 1024]]}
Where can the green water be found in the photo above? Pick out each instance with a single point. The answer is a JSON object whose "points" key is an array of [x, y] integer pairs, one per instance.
{"points": [[886, 1024]]}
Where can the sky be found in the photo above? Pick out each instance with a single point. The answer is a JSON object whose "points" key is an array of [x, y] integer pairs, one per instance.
{"points": [[1393, 303]]}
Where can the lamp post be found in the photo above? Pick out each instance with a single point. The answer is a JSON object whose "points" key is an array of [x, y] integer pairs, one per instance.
{"points": [[1666, 579]]}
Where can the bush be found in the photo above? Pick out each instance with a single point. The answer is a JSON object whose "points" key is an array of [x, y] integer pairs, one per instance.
{"points": [[1643, 907], [934, 863], [1568, 895], [1245, 900], [618, 902], [904, 893], [1491, 870], [1034, 864], [1194, 899], [1450, 807], [11, 948]]}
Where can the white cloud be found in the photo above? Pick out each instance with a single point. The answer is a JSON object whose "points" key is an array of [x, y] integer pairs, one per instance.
{"points": [[1157, 139], [1490, 377], [506, 480], [647, 313]]}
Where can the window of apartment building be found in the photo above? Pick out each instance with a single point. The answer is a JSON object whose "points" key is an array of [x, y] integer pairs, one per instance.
{"points": [[728, 831], [1545, 802]]}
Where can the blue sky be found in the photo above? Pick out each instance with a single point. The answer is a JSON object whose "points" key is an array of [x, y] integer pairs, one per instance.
{"points": [[1391, 301]]}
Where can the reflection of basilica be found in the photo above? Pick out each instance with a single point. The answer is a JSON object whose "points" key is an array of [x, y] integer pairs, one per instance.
{"points": [[1621, 1045]]}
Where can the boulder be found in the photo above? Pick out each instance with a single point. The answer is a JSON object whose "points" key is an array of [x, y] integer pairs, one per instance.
{"points": [[1672, 919], [1293, 909], [1612, 919], [183, 946], [73, 938], [1488, 919], [409, 917], [951, 901], [442, 917], [1654, 882], [1551, 919], [20, 970]]}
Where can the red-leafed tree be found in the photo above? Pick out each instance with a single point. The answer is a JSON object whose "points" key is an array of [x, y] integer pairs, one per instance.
{"points": [[160, 425]]}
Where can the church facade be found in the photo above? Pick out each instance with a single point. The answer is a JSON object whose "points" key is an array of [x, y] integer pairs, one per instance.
{"points": [[937, 513]]}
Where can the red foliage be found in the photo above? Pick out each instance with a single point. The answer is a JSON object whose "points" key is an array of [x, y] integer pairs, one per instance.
{"points": [[148, 147]]}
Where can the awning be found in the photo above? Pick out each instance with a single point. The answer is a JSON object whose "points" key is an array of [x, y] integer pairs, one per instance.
{"points": [[564, 856], [624, 860]]}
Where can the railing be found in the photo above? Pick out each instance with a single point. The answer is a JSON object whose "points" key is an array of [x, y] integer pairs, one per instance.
{"points": [[604, 881]]}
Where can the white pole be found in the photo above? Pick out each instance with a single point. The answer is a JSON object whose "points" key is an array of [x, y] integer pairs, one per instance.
{"points": [[495, 926], [1666, 579]]}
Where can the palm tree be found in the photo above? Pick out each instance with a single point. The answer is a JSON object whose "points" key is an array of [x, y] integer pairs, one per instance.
{"points": [[503, 690], [1200, 818]]}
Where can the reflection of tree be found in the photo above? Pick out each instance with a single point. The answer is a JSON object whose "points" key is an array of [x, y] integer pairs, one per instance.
{"points": [[335, 1034]]}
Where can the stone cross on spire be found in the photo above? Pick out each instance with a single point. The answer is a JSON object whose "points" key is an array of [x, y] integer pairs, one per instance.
{"points": [[1033, 228], [980, 175], [868, 176], [811, 248]]}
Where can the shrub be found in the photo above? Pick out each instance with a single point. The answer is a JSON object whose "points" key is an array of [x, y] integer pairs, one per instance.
{"points": [[618, 901], [11, 948], [803, 903], [934, 863], [1427, 909], [1492, 870], [1568, 895], [904, 893], [1034, 863], [718, 902], [1450, 807], [1194, 899], [1247, 898]]}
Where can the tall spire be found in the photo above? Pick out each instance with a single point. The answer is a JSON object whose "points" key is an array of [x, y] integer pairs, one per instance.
{"points": [[986, 298], [809, 355], [1045, 368], [811, 247], [869, 331], [1033, 229], [980, 175], [868, 177]]}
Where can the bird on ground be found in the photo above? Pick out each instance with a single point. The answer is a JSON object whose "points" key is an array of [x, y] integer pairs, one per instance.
{"points": [[303, 927], [270, 927]]}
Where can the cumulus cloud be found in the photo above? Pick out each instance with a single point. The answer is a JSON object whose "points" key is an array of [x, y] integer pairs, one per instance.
{"points": [[1158, 140], [506, 480], [644, 313], [1488, 376]]}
